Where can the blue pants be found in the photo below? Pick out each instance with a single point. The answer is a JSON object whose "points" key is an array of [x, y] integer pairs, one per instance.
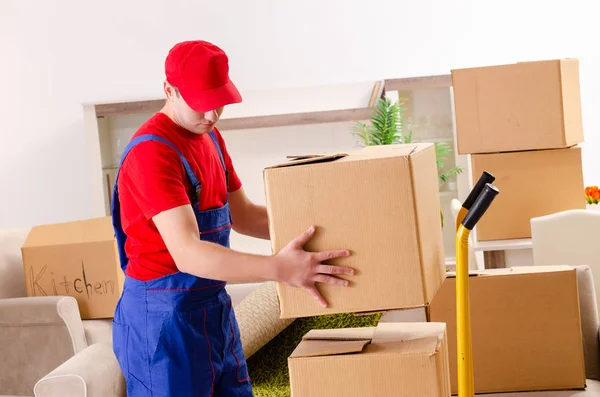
{"points": [[175, 343]]}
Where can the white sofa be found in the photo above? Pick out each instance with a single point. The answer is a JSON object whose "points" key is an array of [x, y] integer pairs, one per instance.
{"points": [[47, 351]]}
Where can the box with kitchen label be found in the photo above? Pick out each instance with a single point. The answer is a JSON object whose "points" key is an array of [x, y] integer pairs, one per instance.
{"points": [[78, 259]]}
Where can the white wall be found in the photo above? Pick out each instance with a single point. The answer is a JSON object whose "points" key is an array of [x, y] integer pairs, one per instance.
{"points": [[60, 54]]}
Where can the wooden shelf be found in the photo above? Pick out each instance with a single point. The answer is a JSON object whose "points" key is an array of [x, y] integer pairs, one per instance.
{"points": [[252, 122], [417, 83], [281, 120]]}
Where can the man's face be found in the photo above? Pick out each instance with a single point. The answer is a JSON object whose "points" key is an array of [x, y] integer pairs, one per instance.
{"points": [[198, 123]]}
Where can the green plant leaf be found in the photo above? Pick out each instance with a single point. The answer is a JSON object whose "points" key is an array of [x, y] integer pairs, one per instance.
{"points": [[388, 126]]}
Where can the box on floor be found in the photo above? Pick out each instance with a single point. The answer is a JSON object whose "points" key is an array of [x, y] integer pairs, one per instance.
{"points": [[381, 203], [526, 329], [520, 106], [392, 359], [532, 184], [78, 259]]}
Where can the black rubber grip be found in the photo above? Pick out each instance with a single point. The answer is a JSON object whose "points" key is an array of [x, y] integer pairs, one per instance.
{"points": [[486, 177], [488, 194]]}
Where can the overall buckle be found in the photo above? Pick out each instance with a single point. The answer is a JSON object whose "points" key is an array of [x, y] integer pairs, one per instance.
{"points": [[197, 191]]}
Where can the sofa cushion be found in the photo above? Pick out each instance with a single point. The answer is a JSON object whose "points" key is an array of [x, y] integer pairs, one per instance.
{"points": [[98, 331], [589, 321], [12, 282]]}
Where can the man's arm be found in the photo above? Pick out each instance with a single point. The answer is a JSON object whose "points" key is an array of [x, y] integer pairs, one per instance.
{"points": [[248, 218], [292, 265]]}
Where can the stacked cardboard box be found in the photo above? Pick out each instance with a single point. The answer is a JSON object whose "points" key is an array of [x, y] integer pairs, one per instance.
{"points": [[78, 259], [403, 360], [525, 326], [381, 203], [522, 122]]}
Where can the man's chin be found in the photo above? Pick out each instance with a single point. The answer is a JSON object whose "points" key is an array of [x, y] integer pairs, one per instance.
{"points": [[203, 129]]}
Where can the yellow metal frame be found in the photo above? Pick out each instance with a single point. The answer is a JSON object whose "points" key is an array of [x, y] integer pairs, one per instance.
{"points": [[466, 386], [484, 192]]}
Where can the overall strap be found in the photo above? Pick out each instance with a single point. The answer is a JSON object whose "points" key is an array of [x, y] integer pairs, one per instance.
{"points": [[151, 137], [216, 142]]}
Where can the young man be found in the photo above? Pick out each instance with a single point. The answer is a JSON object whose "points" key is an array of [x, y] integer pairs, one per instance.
{"points": [[176, 199]]}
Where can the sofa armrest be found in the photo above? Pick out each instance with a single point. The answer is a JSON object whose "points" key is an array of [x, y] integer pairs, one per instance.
{"points": [[37, 334], [45, 311], [94, 372]]}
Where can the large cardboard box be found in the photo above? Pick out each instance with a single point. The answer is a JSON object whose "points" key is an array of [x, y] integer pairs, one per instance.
{"points": [[392, 359], [531, 183], [521, 106], [78, 259], [526, 329], [381, 203]]}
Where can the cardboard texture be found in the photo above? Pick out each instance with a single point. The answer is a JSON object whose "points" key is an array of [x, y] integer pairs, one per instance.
{"points": [[78, 259], [532, 184], [381, 203], [521, 106], [392, 359], [526, 329]]}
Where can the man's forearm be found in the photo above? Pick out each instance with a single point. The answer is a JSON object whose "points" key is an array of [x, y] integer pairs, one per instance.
{"points": [[261, 223], [255, 223], [213, 261]]}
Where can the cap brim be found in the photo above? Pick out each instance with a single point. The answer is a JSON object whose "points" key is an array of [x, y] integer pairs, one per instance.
{"points": [[207, 100]]}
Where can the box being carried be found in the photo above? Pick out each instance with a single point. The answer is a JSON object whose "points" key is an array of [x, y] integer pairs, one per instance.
{"points": [[392, 359], [382, 203], [521, 106], [78, 259], [525, 327]]}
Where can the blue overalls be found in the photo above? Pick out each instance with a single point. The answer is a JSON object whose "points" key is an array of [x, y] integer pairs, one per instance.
{"points": [[178, 335]]}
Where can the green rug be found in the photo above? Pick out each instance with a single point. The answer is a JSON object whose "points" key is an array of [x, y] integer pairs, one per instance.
{"points": [[268, 367]]}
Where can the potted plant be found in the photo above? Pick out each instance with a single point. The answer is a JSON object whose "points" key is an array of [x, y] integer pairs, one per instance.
{"points": [[388, 126]]}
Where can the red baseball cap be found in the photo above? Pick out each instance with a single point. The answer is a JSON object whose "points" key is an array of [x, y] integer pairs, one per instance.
{"points": [[200, 71]]}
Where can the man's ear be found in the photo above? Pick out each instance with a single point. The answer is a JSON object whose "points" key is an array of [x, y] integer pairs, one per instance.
{"points": [[170, 91]]}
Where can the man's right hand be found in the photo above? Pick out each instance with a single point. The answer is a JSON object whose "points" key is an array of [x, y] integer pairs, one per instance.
{"points": [[299, 268]]}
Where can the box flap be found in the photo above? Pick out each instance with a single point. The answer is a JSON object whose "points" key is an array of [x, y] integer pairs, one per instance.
{"points": [[395, 150], [410, 338], [78, 232], [309, 159], [320, 348], [329, 342], [398, 338], [363, 333]]}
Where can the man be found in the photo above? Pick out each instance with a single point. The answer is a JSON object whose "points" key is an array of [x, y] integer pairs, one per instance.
{"points": [[176, 199]]}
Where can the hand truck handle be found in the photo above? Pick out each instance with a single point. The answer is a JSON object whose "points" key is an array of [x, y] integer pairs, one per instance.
{"points": [[484, 200], [484, 179]]}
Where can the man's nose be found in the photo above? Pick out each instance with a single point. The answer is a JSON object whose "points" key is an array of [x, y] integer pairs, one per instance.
{"points": [[211, 116]]}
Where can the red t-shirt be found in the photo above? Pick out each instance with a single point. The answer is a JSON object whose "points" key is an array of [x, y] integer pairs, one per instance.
{"points": [[152, 179]]}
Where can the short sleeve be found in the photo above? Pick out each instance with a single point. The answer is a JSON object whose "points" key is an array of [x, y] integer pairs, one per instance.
{"points": [[152, 174], [234, 181]]}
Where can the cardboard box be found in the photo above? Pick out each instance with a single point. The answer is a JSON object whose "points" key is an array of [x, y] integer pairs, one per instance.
{"points": [[78, 259], [526, 329], [531, 184], [521, 106], [382, 203], [393, 359]]}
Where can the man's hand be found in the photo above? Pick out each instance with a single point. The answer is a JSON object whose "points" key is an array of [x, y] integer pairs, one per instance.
{"points": [[292, 265], [299, 268]]}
